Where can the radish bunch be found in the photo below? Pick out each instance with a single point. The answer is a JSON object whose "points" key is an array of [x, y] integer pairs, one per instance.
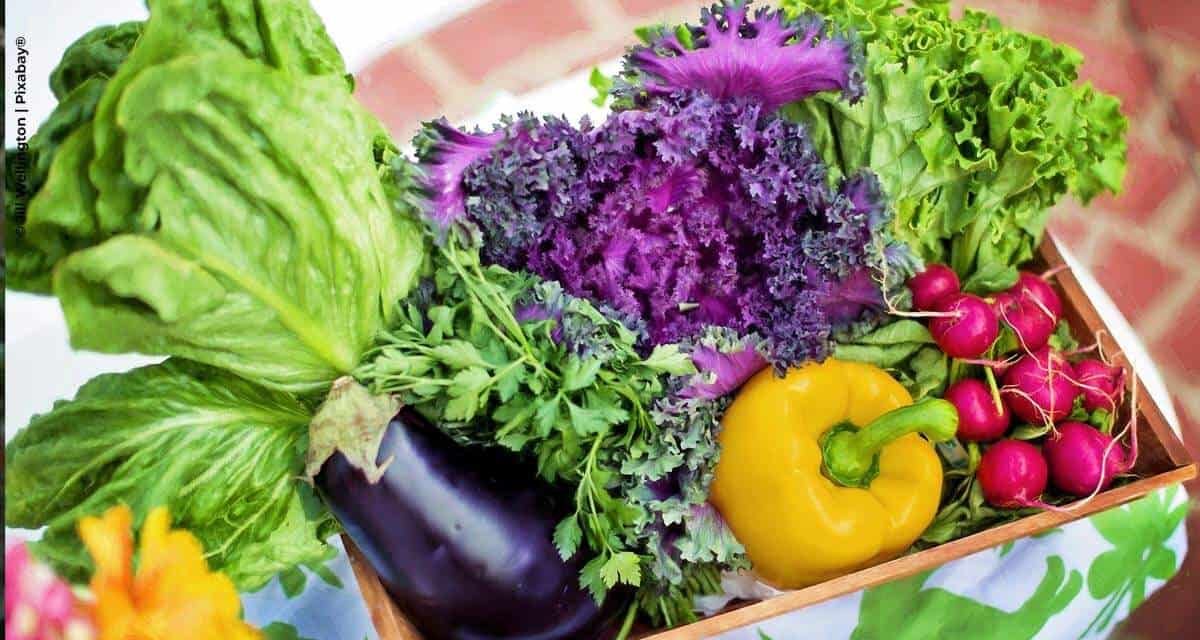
{"points": [[1038, 385]]}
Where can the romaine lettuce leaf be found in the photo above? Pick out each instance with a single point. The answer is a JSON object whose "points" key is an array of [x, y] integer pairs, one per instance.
{"points": [[97, 54], [229, 201], [223, 454], [78, 82]]}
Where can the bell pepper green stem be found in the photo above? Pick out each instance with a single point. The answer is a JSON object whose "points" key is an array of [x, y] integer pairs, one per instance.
{"points": [[851, 456]]}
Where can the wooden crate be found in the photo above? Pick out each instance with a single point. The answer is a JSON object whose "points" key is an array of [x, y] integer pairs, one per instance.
{"points": [[1162, 461]]}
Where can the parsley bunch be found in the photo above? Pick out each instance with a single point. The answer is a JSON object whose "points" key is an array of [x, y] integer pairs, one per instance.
{"points": [[496, 357]]}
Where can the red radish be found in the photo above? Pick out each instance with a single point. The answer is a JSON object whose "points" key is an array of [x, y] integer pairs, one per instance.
{"points": [[968, 328], [1012, 473], [1083, 460], [1040, 387], [1032, 325], [1034, 289], [1102, 385], [979, 418], [932, 285]]}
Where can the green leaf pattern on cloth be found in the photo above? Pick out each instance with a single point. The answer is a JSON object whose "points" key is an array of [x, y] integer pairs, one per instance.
{"points": [[1139, 533], [1078, 580], [938, 613]]}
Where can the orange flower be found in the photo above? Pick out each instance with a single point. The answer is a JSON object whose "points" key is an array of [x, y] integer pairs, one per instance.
{"points": [[171, 596]]}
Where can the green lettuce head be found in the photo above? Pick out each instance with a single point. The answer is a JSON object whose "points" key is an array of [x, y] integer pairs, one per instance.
{"points": [[215, 192]]}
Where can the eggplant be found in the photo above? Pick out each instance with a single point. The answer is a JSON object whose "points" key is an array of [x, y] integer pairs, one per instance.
{"points": [[462, 539]]}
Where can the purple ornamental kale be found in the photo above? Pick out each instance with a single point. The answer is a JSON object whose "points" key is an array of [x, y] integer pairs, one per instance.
{"points": [[700, 208], [445, 153], [770, 58], [708, 213], [724, 361], [690, 213], [531, 178]]}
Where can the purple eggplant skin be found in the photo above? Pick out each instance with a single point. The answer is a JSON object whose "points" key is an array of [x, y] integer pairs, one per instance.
{"points": [[462, 539]]}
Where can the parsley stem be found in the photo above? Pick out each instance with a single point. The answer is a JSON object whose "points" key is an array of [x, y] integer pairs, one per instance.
{"points": [[502, 312], [503, 372], [627, 625], [413, 380]]}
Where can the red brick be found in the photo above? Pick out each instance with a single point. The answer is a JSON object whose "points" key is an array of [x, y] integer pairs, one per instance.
{"points": [[1011, 13], [648, 7], [1179, 349], [1191, 229], [1133, 276], [1185, 118], [1152, 176], [1114, 63], [487, 38], [1176, 19], [605, 54], [1068, 225], [396, 93], [1068, 6]]}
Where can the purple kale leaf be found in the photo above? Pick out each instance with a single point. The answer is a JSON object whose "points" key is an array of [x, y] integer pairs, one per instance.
{"points": [[445, 153], [768, 57]]}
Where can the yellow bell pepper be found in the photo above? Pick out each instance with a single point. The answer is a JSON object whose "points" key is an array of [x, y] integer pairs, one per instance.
{"points": [[823, 471]]}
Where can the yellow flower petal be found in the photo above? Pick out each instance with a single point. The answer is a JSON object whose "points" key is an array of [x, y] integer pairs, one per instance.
{"points": [[173, 595], [109, 540]]}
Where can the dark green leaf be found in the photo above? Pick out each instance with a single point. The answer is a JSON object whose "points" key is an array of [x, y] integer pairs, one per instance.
{"points": [[591, 580], [546, 417]]}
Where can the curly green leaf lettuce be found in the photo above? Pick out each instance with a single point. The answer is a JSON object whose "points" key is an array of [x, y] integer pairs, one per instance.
{"points": [[975, 130], [223, 454]]}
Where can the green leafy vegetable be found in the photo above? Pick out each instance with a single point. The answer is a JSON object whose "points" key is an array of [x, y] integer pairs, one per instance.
{"points": [[975, 130], [94, 56], [293, 580], [602, 84], [990, 278], [497, 358], [223, 454], [907, 351], [228, 202], [78, 82], [575, 402], [1062, 339]]}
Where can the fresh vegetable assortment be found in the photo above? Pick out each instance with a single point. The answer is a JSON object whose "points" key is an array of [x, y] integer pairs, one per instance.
{"points": [[767, 316]]}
